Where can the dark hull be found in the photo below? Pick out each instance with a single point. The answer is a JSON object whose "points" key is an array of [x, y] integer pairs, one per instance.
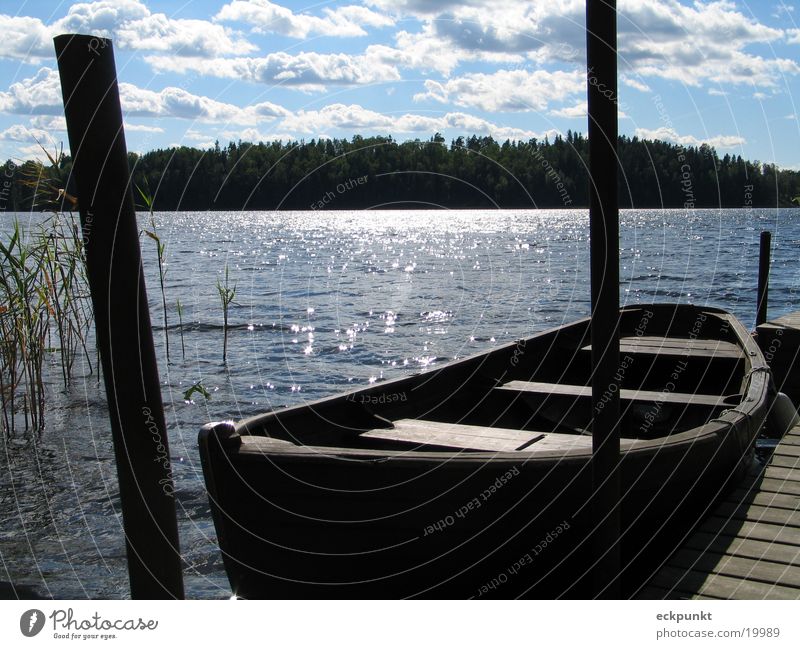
{"points": [[328, 499]]}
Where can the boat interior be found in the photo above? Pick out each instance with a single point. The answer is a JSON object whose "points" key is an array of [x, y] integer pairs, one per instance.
{"points": [[679, 367]]}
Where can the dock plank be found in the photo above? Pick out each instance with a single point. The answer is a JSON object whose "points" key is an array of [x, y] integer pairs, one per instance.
{"points": [[759, 514], [764, 498], [781, 473], [752, 530], [790, 439], [762, 570], [787, 487], [722, 586], [742, 547], [788, 450], [785, 461]]}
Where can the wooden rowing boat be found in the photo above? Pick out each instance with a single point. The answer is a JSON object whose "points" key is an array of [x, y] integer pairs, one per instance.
{"points": [[473, 479]]}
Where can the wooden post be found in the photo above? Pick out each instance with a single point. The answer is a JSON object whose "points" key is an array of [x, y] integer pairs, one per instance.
{"points": [[601, 61], [122, 320], [763, 277]]}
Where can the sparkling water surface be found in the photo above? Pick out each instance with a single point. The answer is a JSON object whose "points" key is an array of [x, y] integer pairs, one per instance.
{"points": [[329, 301]]}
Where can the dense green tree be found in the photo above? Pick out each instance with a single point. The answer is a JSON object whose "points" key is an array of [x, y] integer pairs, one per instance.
{"points": [[472, 172]]}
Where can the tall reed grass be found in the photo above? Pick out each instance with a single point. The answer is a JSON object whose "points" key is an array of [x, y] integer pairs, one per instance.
{"points": [[44, 298]]}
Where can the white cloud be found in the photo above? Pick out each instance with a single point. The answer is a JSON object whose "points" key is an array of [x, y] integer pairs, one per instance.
{"points": [[49, 123], [265, 17], [25, 38], [666, 134], [304, 71], [184, 37], [267, 111], [194, 136], [255, 135], [203, 145], [476, 125], [695, 43], [636, 84], [579, 110], [426, 51], [361, 16], [28, 135], [41, 95], [430, 57], [419, 7], [247, 135], [177, 102], [507, 90], [103, 15], [354, 118], [142, 128], [129, 22], [732, 68]]}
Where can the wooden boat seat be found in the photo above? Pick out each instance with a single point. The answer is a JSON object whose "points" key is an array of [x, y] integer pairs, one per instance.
{"points": [[419, 432], [666, 346], [585, 391]]}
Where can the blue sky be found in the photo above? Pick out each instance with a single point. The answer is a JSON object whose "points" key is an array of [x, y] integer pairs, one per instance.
{"points": [[195, 71]]}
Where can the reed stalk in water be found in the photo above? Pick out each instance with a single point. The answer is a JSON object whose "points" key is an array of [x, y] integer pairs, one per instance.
{"points": [[179, 307], [226, 296], [160, 250]]}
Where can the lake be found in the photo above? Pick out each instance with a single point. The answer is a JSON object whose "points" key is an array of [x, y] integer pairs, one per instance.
{"points": [[329, 301]]}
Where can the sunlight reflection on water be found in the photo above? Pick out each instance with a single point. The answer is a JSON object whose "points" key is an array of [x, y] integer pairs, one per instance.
{"points": [[331, 301]]}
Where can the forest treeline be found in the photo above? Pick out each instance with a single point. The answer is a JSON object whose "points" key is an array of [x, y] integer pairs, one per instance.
{"points": [[469, 172]]}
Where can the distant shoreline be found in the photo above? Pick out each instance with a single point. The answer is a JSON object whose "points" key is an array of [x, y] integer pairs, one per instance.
{"points": [[468, 173]]}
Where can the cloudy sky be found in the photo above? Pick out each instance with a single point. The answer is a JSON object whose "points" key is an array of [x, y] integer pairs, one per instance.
{"points": [[195, 71]]}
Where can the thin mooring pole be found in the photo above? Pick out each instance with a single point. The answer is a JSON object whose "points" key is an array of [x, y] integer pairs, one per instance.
{"points": [[601, 62], [122, 320], [763, 277]]}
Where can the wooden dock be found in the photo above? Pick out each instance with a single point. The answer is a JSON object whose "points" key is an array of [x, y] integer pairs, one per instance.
{"points": [[749, 548]]}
